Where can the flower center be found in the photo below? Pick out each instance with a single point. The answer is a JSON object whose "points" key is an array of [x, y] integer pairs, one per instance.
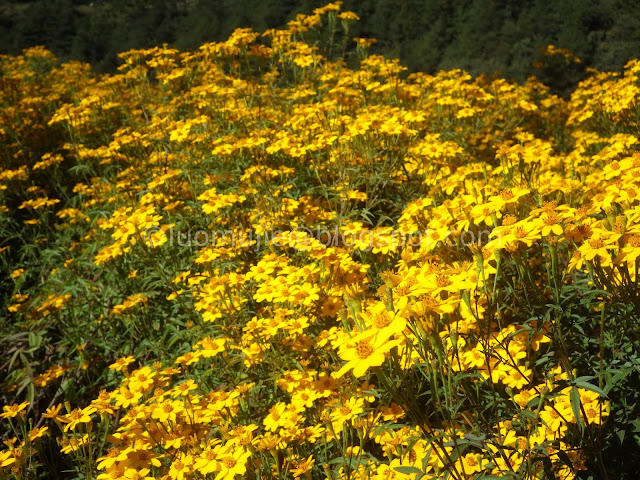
{"points": [[364, 349], [442, 281], [382, 320], [506, 194], [229, 462], [596, 243], [520, 232]]}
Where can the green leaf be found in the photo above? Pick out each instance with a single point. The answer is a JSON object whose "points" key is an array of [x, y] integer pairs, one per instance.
{"points": [[548, 467], [574, 396], [562, 455], [579, 382], [407, 470], [621, 434], [621, 375]]}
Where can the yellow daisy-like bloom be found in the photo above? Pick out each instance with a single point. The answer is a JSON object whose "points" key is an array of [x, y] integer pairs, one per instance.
{"points": [[77, 417], [17, 273], [73, 444], [181, 467], [121, 363], [211, 347], [232, 465], [274, 419], [471, 463], [6, 458], [11, 411], [556, 417], [125, 397], [167, 411], [350, 410], [551, 223], [379, 318], [303, 466], [208, 461], [142, 379], [516, 378], [598, 246], [115, 471], [143, 458], [113, 456], [38, 433], [365, 350]]}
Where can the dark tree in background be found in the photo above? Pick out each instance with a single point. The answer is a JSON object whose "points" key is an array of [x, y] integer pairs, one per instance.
{"points": [[480, 36]]}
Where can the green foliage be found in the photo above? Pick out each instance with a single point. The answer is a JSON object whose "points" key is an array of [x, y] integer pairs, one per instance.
{"points": [[518, 357], [478, 36]]}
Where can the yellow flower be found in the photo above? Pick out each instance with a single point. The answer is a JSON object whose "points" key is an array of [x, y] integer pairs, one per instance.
{"points": [[522, 232], [304, 398], [471, 463], [555, 417], [183, 389], [121, 363], [125, 398], [233, 464], [113, 456], [303, 466], [74, 444], [76, 417], [115, 471], [11, 411], [379, 318], [598, 245], [53, 412], [392, 413], [551, 223], [274, 419], [6, 458], [208, 461], [212, 347], [364, 42], [516, 378], [365, 350], [142, 474], [142, 458], [167, 411], [524, 397], [180, 467], [347, 412], [594, 411], [17, 273], [631, 249], [348, 15], [507, 196], [141, 380], [37, 433]]}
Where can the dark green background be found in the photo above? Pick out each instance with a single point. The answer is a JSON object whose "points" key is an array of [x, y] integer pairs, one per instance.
{"points": [[480, 36]]}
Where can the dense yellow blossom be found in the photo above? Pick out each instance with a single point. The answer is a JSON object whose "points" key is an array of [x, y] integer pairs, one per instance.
{"points": [[279, 264]]}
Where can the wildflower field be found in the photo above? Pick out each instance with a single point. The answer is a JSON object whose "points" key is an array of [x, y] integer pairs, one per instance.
{"points": [[280, 256]]}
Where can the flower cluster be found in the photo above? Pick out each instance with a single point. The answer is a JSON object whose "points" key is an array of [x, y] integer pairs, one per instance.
{"points": [[299, 357]]}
